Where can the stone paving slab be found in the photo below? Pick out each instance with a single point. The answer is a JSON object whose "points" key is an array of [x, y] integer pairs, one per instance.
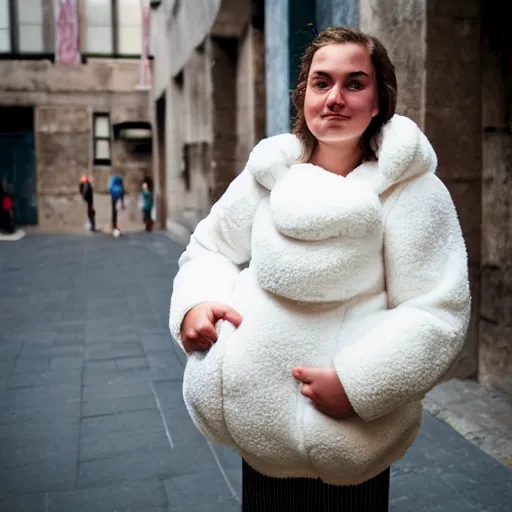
{"points": [[92, 417], [482, 416]]}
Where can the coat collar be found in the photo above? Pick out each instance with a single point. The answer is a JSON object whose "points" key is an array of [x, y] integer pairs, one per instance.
{"points": [[403, 152]]}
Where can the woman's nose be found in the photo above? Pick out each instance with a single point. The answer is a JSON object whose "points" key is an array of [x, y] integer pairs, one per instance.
{"points": [[335, 99]]}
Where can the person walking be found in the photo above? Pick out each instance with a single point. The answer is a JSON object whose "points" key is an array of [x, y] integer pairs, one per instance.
{"points": [[325, 293], [146, 198], [87, 193], [117, 192]]}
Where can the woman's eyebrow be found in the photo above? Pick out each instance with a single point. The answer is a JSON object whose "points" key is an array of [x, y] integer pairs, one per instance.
{"points": [[353, 74], [322, 73]]}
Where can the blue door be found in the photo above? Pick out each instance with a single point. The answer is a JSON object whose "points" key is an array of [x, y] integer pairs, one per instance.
{"points": [[18, 174]]}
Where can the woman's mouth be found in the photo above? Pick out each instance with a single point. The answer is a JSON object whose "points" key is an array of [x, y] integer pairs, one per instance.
{"points": [[335, 116]]}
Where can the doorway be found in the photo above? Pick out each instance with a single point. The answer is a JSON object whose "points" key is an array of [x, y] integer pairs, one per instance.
{"points": [[18, 161], [161, 138]]}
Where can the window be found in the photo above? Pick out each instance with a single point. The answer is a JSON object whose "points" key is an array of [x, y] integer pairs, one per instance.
{"points": [[22, 26], [5, 27], [29, 14], [113, 27], [129, 33], [99, 23], [101, 139]]}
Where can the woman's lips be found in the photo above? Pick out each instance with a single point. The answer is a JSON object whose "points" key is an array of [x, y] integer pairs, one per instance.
{"points": [[335, 116]]}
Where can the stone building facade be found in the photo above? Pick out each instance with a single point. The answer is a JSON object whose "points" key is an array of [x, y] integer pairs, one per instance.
{"points": [[74, 115], [209, 96], [454, 66]]}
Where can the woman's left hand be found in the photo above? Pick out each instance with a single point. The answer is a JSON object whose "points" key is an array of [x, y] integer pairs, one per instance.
{"points": [[324, 388]]}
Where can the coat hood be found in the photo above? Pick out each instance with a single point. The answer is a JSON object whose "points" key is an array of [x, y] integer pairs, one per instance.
{"points": [[403, 151]]}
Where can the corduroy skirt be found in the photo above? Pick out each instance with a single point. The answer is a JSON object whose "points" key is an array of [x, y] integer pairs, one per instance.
{"points": [[264, 494]]}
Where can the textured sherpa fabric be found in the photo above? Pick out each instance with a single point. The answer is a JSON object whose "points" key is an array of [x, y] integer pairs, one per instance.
{"points": [[366, 274]]}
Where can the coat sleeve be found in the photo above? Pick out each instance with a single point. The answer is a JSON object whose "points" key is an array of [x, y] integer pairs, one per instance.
{"points": [[423, 331], [220, 244]]}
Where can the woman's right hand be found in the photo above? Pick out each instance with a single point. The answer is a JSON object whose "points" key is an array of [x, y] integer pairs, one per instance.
{"points": [[198, 332]]}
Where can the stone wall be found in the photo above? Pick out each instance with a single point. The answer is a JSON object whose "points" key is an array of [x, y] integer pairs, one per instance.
{"points": [[430, 42], [453, 125], [260, 94], [214, 110], [245, 96], [495, 343], [64, 100], [401, 25], [224, 81]]}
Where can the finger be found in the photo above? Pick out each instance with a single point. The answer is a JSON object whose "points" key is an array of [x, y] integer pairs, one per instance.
{"points": [[307, 391], [207, 331], [223, 311], [303, 374]]}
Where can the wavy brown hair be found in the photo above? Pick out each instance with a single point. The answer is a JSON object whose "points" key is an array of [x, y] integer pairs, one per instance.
{"points": [[384, 75]]}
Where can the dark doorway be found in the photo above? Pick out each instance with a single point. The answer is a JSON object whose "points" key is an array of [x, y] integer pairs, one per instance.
{"points": [[18, 161], [161, 138]]}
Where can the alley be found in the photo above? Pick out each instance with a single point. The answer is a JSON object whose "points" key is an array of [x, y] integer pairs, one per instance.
{"points": [[91, 413]]}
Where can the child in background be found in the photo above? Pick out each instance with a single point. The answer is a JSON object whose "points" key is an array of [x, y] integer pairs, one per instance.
{"points": [[116, 190], [87, 193], [146, 197]]}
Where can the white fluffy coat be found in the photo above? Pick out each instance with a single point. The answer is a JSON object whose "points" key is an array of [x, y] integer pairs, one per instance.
{"points": [[366, 274]]}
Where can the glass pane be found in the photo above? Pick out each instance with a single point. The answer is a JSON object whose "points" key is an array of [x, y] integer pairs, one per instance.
{"points": [[99, 40], [130, 40], [98, 13], [101, 126], [129, 12], [102, 150], [31, 38], [30, 12], [4, 14], [5, 41]]}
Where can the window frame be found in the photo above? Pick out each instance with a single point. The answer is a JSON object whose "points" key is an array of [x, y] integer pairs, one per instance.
{"points": [[48, 26], [105, 162], [14, 36], [115, 32]]}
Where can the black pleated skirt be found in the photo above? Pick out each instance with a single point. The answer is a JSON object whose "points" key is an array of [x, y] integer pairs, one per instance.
{"points": [[264, 494]]}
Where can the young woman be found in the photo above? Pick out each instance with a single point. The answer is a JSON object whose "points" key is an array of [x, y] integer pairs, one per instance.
{"points": [[313, 360]]}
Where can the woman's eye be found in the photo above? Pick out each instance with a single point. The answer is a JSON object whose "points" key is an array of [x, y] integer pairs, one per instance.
{"points": [[355, 85], [321, 85]]}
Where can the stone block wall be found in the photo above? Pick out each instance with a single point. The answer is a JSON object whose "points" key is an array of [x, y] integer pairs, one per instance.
{"points": [[214, 106], [401, 25], [495, 341], [453, 125], [244, 99], [250, 94], [260, 94], [64, 100], [434, 45], [224, 114]]}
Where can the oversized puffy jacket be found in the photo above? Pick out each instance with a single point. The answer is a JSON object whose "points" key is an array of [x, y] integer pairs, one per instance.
{"points": [[365, 273]]}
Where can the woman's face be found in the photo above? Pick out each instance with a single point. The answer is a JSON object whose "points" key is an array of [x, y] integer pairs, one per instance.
{"points": [[341, 94]]}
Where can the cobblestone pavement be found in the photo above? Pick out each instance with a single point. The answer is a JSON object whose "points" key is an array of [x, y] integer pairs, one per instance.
{"points": [[482, 416], [91, 413]]}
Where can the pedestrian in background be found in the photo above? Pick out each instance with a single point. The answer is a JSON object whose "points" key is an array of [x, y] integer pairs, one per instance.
{"points": [[87, 193], [312, 362], [116, 190], [146, 200]]}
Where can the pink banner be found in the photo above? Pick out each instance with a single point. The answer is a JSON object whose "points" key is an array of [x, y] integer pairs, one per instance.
{"points": [[145, 67], [67, 42]]}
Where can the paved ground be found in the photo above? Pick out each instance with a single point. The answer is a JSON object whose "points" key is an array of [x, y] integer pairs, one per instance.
{"points": [[91, 414], [482, 416]]}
